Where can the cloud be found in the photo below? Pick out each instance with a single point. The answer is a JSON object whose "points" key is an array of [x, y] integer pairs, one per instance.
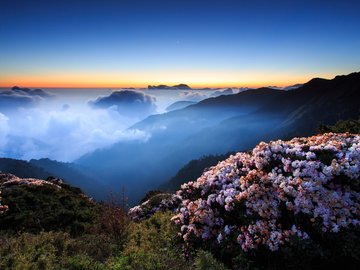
{"points": [[4, 129], [18, 97], [65, 135], [228, 91], [192, 96], [127, 103], [65, 107], [30, 92]]}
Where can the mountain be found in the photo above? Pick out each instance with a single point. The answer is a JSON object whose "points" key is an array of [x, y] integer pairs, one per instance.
{"points": [[165, 87], [222, 124], [179, 105], [44, 168], [22, 169], [292, 87]]}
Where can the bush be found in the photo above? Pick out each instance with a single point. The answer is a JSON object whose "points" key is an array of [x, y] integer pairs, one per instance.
{"points": [[153, 244], [45, 208], [283, 205], [205, 261], [53, 250], [342, 126]]}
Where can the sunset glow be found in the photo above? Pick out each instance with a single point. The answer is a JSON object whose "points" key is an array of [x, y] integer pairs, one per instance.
{"points": [[86, 44], [194, 78]]}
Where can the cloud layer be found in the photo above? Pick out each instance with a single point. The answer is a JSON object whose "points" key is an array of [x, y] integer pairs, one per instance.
{"points": [[60, 124], [21, 97], [64, 128], [127, 103]]}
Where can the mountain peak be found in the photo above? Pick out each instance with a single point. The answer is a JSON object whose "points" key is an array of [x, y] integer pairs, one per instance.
{"points": [[180, 86]]}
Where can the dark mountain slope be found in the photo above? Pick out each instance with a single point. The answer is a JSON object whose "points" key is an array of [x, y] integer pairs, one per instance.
{"points": [[44, 168], [191, 171], [22, 168], [222, 124], [318, 101]]}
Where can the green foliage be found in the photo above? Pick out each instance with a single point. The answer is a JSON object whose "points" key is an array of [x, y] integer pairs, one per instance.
{"points": [[342, 126], [51, 228], [46, 250], [83, 262], [37, 208], [205, 261], [47, 227], [153, 244]]}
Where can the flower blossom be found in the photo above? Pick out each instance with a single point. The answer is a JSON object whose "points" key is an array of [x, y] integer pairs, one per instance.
{"points": [[246, 196]]}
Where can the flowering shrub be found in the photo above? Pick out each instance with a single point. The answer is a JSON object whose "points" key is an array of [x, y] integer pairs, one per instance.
{"points": [[278, 192], [8, 180], [159, 202], [3, 208]]}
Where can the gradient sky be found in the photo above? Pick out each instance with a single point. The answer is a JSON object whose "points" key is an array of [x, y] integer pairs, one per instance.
{"points": [[86, 43]]}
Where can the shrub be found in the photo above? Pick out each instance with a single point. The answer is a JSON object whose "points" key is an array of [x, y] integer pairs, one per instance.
{"points": [[205, 261], [53, 250], [34, 208], [352, 126], [282, 203], [153, 244]]}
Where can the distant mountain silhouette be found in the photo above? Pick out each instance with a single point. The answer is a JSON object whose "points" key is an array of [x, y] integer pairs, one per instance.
{"points": [[292, 87], [22, 168], [175, 87], [44, 168], [222, 124]]}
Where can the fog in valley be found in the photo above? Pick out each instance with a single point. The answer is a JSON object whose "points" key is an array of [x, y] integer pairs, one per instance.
{"points": [[138, 139]]}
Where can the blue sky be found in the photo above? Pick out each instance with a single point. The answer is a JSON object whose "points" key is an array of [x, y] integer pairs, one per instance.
{"points": [[135, 43]]}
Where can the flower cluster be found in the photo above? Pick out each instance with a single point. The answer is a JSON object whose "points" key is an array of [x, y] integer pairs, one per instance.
{"points": [[279, 190], [3, 208], [159, 202], [8, 180]]}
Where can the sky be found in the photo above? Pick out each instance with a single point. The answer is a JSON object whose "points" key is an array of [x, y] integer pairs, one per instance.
{"points": [[132, 43]]}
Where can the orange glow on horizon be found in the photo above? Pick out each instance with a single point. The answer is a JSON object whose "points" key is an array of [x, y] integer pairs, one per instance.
{"points": [[194, 79]]}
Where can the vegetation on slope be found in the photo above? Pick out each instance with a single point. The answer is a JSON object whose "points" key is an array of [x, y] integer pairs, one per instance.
{"points": [[351, 125], [46, 227], [51, 225], [35, 208]]}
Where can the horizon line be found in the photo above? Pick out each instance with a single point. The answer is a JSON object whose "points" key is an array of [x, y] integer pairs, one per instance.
{"points": [[194, 86]]}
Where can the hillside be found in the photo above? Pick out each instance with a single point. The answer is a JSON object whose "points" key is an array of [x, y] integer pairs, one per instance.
{"points": [[35, 205], [281, 205], [222, 124], [22, 168], [44, 168]]}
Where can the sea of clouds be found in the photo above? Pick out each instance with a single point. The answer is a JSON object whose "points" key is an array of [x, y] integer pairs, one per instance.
{"points": [[65, 124]]}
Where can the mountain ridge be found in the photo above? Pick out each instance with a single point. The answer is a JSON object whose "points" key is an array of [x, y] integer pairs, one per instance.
{"points": [[211, 127]]}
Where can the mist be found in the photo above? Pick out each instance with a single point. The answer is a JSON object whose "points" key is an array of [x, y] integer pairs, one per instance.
{"points": [[65, 124], [124, 137]]}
